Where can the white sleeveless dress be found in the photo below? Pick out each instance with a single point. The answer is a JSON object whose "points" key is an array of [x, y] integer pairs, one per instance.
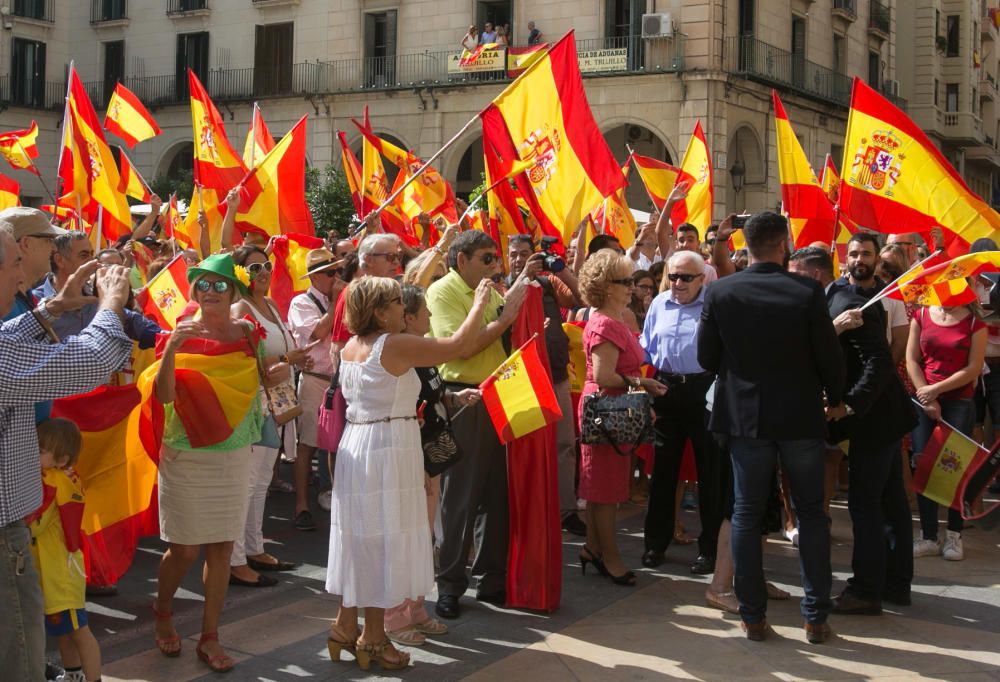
{"points": [[380, 544]]}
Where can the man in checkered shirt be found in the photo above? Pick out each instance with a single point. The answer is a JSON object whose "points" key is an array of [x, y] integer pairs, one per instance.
{"points": [[32, 369]]}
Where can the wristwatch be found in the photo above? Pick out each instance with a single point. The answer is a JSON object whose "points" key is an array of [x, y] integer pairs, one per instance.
{"points": [[43, 310]]}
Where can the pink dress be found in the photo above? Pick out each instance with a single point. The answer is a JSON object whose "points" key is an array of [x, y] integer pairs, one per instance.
{"points": [[604, 474]]}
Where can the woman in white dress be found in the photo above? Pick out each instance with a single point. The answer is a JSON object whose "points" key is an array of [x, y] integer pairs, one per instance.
{"points": [[380, 548]]}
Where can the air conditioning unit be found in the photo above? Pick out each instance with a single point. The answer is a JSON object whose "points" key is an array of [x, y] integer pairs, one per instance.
{"points": [[892, 87], [657, 25]]}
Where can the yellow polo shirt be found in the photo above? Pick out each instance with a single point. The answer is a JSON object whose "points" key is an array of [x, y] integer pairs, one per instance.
{"points": [[449, 301]]}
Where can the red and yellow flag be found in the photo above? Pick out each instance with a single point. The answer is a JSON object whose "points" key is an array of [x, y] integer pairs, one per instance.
{"points": [[128, 118], [172, 222], [949, 460], [188, 233], [658, 177], [810, 214], [503, 213], [18, 147], [375, 190], [519, 395], [896, 180], [935, 281], [277, 189], [10, 192], [288, 281], [132, 183], [469, 57], [216, 164], [696, 170], [520, 58], [165, 297], [995, 17], [544, 116], [614, 217], [259, 141], [353, 173]]}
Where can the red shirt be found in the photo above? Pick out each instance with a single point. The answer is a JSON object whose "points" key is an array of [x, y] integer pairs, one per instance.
{"points": [[340, 333], [945, 350]]}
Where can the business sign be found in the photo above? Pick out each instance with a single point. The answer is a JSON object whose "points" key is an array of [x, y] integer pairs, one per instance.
{"points": [[594, 61], [494, 59]]}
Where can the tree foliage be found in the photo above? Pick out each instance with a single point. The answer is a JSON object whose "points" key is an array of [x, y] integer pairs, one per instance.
{"points": [[183, 184], [329, 199]]}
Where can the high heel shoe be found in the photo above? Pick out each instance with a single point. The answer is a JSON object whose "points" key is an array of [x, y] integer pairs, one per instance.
{"points": [[627, 579], [592, 558], [369, 651], [335, 644]]}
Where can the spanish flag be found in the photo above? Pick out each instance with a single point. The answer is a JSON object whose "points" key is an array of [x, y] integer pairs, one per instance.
{"points": [[165, 297], [810, 213], [544, 116], [128, 118], [259, 141], [519, 395], [216, 164], [10, 192], [896, 180], [352, 173], [277, 189], [18, 147], [132, 183], [289, 279], [949, 460], [995, 17], [503, 213], [520, 58], [658, 177], [172, 220], [576, 367], [375, 190], [469, 57], [614, 217], [934, 282], [188, 234], [696, 170]]}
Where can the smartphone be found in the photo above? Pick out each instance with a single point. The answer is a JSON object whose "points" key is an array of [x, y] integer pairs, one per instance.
{"points": [[740, 221]]}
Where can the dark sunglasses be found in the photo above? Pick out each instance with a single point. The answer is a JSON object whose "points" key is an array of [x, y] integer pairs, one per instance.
{"points": [[687, 279], [256, 268], [626, 282], [221, 286], [389, 257], [335, 272]]}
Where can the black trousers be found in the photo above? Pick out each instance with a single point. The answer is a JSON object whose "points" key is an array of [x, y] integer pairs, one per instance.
{"points": [[681, 415]]}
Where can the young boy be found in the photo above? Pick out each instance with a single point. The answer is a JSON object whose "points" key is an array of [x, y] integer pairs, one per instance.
{"points": [[56, 536]]}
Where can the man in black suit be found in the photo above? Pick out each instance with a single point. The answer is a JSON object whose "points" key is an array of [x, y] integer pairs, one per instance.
{"points": [[768, 335], [875, 415]]}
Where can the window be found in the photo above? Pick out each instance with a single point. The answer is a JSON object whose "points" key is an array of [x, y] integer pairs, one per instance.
{"points": [[496, 12], [798, 50], [32, 9], [951, 97], [192, 53], [746, 18], [107, 10], [114, 66], [27, 72], [937, 89], [839, 54], [952, 36], [272, 65], [380, 48], [874, 69], [937, 23]]}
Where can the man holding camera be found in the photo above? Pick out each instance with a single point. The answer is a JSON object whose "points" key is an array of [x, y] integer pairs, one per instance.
{"points": [[559, 290]]}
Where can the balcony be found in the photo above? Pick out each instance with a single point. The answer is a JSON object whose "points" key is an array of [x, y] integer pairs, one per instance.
{"points": [[35, 10], [187, 8], [987, 85], [47, 95], [275, 3], [759, 61], [879, 20], [108, 13], [845, 9], [961, 127]]}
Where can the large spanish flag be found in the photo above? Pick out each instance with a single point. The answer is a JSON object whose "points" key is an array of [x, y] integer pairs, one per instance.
{"points": [[519, 395], [10, 192], [949, 460], [696, 170], [165, 297], [216, 163], [544, 116], [810, 214], [658, 177], [375, 190], [613, 216], [277, 189], [352, 173], [128, 118], [19, 148], [290, 252], [259, 141], [132, 183], [896, 180]]}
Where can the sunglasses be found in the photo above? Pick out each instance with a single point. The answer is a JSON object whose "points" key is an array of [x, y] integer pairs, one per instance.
{"points": [[257, 268], [336, 272], [220, 286], [389, 257], [626, 282], [710, 242], [687, 279]]}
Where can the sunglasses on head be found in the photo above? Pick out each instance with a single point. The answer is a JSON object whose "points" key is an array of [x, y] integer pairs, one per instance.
{"points": [[687, 279], [256, 268], [220, 286]]}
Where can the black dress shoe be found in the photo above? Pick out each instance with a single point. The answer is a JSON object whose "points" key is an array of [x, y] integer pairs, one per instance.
{"points": [[447, 606], [495, 598], [849, 603], [897, 597], [652, 558], [262, 581], [703, 565], [574, 525]]}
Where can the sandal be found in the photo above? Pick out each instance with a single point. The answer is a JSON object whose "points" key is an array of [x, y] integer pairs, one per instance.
{"points": [[369, 651], [337, 640], [407, 636], [724, 601], [775, 592], [163, 642], [431, 626], [220, 663]]}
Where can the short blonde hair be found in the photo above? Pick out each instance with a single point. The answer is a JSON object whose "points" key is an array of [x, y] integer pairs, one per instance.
{"points": [[365, 295], [597, 273]]}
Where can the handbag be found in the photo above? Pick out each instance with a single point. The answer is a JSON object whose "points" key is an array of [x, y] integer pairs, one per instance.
{"points": [[269, 436], [282, 400], [332, 416], [617, 420]]}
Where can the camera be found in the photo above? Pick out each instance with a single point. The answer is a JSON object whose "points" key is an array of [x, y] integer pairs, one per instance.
{"points": [[740, 221], [551, 261]]}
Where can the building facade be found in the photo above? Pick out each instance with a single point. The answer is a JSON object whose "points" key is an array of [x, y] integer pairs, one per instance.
{"points": [[652, 69]]}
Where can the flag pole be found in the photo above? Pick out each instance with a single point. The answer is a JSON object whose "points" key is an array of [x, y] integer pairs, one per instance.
{"points": [[38, 173], [523, 346], [253, 133], [894, 285]]}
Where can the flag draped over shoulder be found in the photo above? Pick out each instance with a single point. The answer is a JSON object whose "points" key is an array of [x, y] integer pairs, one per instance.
{"points": [[658, 177], [696, 171], [896, 180], [19, 148], [132, 183], [10, 193], [128, 118], [259, 141], [216, 163], [519, 395], [949, 460], [165, 297], [288, 281], [810, 214], [544, 116]]}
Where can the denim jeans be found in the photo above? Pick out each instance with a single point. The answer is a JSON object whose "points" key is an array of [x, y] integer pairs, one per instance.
{"points": [[961, 414], [22, 628], [754, 462]]}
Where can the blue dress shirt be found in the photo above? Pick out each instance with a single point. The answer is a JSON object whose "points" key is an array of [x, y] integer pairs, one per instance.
{"points": [[670, 334]]}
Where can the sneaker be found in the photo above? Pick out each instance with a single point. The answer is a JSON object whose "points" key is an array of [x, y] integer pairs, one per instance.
{"points": [[324, 500], [952, 550], [792, 536], [72, 676], [925, 547]]}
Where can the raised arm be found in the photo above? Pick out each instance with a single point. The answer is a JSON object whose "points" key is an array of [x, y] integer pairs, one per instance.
{"points": [[146, 226], [720, 250], [664, 227], [229, 222]]}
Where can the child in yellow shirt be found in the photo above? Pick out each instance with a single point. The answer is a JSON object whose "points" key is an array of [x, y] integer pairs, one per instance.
{"points": [[56, 539]]}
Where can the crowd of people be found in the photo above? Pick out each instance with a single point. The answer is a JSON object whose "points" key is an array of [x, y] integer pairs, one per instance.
{"points": [[757, 364]]}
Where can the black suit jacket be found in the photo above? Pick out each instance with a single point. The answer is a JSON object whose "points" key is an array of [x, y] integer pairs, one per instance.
{"points": [[768, 335], [883, 412]]}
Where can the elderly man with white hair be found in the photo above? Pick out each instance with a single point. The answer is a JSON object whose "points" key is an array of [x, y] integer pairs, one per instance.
{"points": [[670, 339]]}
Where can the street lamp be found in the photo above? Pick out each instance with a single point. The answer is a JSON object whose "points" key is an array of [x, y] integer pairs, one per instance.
{"points": [[737, 175]]}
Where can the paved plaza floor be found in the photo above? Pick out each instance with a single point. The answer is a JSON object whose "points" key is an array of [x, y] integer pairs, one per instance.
{"points": [[658, 630]]}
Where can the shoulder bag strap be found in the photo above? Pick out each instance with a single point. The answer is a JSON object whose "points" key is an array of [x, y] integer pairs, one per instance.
{"points": [[322, 310], [260, 364]]}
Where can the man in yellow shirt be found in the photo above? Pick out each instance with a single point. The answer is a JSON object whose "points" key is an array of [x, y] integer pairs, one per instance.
{"points": [[474, 490]]}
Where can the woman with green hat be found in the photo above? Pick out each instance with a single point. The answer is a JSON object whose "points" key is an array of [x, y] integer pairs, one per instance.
{"points": [[206, 382]]}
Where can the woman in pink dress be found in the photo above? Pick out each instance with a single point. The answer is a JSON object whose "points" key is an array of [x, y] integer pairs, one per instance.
{"points": [[614, 358]]}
